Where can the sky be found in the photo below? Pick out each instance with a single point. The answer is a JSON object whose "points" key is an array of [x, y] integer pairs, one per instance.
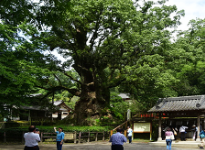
{"points": [[193, 9]]}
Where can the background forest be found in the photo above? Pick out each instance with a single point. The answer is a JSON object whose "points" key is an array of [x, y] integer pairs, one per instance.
{"points": [[108, 47]]}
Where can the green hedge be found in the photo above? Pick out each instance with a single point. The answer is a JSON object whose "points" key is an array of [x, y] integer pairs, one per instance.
{"points": [[65, 128]]}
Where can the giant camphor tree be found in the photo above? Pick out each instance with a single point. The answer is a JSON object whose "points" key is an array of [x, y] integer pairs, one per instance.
{"points": [[106, 42]]}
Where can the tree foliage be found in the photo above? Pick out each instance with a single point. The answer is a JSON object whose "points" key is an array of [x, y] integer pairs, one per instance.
{"points": [[105, 44]]}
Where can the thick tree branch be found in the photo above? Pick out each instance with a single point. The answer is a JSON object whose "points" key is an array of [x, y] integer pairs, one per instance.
{"points": [[116, 83], [51, 89], [95, 34], [72, 78], [57, 79]]}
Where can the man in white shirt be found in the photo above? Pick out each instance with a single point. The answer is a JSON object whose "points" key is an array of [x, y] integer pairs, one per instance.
{"points": [[129, 134], [31, 139], [182, 130]]}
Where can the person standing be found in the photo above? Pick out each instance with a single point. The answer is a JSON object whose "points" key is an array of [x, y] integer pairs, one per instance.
{"points": [[202, 136], [117, 140], [59, 137], [194, 132], [182, 130], [169, 137], [129, 134], [32, 138]]}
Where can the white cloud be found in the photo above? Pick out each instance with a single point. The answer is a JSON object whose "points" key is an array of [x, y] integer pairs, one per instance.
{"points": [[193, 9]]}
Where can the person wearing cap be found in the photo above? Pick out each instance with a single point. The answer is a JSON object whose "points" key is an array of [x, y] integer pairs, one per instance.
{"points": [[32, 138], [117, 140]]}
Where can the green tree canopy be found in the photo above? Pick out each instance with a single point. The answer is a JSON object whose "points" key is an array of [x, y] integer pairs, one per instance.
{"points": [[106, 43]]}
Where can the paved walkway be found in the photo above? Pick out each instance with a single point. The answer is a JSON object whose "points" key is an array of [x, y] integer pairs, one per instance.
{"points": [[106, 146]]}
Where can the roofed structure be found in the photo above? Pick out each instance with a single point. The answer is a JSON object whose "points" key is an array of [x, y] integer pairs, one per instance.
{"points": [[183, 103], [183, 106]]}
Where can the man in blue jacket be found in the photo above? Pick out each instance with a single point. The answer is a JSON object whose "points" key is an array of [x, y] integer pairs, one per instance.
{"points": [[117, 140]]}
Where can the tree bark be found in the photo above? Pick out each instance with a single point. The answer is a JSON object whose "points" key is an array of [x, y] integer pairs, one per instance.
{"points": [[94, 100]]}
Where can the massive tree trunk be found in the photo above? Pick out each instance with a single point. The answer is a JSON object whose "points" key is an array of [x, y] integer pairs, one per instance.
{"points": [[92, 105], [94, 97]]}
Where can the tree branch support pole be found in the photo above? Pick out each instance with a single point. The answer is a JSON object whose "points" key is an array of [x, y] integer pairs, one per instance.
{"points": [[160, 128]]}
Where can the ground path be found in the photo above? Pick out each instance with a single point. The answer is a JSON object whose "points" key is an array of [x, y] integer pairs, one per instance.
{"points": [[106, 146]]}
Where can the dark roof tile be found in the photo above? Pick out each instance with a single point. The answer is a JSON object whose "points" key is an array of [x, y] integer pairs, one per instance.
{"points": [[182, 103]]}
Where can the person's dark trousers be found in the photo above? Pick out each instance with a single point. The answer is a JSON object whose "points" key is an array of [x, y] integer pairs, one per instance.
{"points": [[31, 148], [130, 139], [195, 135], [117, 147], [183, 136], [59, 146]]}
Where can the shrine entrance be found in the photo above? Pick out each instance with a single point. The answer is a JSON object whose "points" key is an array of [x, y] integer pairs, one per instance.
{"points": [[178, 111]]}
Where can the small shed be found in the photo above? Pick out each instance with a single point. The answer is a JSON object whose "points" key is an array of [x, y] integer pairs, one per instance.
{"points": [[182, 107]]}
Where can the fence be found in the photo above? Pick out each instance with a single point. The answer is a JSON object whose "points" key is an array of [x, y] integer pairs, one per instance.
{"points": [[75, 137]]}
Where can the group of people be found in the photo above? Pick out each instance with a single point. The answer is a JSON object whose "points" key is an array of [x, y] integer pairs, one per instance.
{"points": [[32, 138], [170, 132], [182, 131]]}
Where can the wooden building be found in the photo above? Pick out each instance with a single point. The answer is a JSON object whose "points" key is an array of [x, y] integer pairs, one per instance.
{"points": [[63, 110], [34, 112], [177, 111]]}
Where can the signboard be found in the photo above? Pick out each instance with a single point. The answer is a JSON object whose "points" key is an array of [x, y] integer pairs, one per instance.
{"points": [[141, 127], [68, 136]]}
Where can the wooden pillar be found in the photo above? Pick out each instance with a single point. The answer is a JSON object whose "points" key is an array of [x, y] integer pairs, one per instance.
{"points": [[204, 124], [96, 137], [41, 137], [150, 131], [89, 136], [4, 137], [198, 126], [79, 137], [111, 133], [103, 136], [125, 133], [22, 137], [75, 136], [160, 128]]}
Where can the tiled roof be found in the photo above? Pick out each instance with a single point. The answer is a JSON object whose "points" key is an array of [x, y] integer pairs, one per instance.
{"points": [[124, 95], [56, 103], [183, 103], [33, 108]]}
